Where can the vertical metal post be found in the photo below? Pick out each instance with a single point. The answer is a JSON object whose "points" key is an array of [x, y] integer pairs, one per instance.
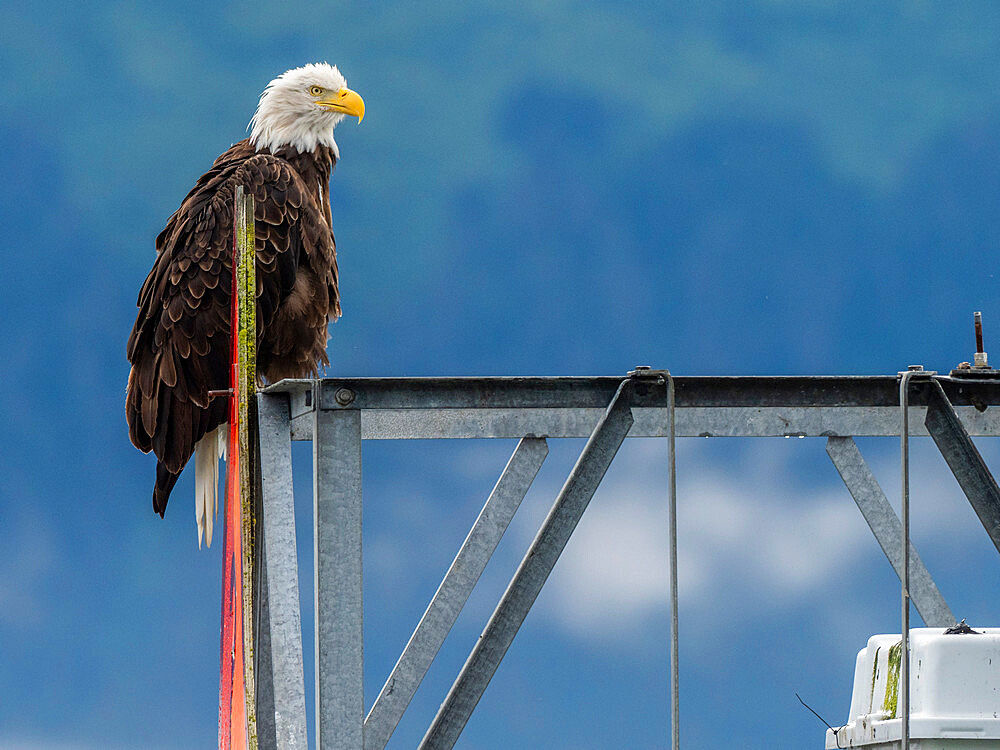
{"points": [[338, 583], [532, 573], [281, 695], [263, 673], [904, 449], [675, 707]]}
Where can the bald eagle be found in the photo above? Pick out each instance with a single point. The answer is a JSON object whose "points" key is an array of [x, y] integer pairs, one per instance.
{"points": [[180, 345]]}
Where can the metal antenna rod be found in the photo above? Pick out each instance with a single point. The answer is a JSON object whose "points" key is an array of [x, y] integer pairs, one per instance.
{"points": [[980, 359], [904, 445], [675, 708]]}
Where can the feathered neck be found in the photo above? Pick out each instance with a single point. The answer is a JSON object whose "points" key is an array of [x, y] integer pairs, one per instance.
{"points": [[278, 124]]}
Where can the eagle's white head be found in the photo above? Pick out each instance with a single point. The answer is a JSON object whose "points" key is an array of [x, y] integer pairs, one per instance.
{"points": [[301, 107]]}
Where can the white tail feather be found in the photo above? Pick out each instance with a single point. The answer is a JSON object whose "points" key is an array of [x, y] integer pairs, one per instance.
{"points": [[208, 452]]}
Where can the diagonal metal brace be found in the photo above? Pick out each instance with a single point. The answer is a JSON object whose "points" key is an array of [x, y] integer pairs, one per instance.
{"points": [[454, 591], [533, 571], [964, 460], [886, 527]]}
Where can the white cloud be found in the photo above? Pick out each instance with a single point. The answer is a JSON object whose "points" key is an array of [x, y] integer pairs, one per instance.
{"points": [[26, 567], [752, 533], [763, 526], [734, 535]]}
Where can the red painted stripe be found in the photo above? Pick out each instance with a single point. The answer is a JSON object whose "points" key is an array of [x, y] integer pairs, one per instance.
{"points": [[226, 650], [232, 703]]}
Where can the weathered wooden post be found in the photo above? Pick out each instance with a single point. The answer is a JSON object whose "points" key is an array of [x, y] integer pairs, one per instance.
{"points": [[245, 392], [237, 701]]}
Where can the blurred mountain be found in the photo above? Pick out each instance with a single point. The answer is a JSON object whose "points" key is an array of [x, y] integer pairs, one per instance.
{"points": [[721, 187]]}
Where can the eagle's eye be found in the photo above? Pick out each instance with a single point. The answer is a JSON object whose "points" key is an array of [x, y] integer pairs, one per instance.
{"points": [[316, 90]]}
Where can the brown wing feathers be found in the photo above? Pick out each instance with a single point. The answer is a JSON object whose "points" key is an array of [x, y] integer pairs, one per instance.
{"points": [[179, 347]]}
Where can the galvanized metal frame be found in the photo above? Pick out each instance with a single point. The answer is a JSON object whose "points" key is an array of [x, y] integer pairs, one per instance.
{"points": [[344, 411]]}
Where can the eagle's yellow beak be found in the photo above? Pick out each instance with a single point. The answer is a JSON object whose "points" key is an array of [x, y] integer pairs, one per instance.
{"points": [[346, 101]]}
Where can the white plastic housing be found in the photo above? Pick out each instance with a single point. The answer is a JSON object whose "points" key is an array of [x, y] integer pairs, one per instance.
{"points": [[954, 693]]}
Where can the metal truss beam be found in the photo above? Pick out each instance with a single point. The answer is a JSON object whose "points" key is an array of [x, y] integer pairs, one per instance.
{"points": [[421, 408], [572, 422], [337, 414], [596, 392]]}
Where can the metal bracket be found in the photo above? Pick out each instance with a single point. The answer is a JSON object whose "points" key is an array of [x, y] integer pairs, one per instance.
{"points": [[645, 371]]}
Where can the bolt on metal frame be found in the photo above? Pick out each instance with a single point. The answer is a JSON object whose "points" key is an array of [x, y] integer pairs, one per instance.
{"points": [[338, 413]]}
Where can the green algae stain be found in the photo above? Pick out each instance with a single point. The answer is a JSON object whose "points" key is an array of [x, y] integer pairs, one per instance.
{"points": [[892, 681], [871, 691]]}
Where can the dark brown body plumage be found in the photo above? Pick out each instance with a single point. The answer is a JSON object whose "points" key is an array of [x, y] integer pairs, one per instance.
{"points": [[180, 345]]}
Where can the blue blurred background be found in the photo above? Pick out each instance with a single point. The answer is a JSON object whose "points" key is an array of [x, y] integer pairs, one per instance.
{"points": [[753, 187]]}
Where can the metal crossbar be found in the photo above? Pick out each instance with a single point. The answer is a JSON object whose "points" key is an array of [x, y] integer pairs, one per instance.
{"points": [[337, 414]]}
